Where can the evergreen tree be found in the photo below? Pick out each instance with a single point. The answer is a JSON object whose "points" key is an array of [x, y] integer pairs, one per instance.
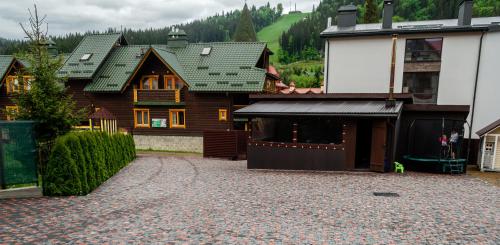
{"points": [[46, 101], [245, 31], [371, 13]]}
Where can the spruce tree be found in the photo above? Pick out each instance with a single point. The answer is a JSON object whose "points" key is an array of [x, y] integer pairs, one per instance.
{"points": [[245, 31], [371, 13]]}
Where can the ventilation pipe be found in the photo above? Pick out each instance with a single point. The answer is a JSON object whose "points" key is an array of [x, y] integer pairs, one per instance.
{"points": [[346, 16], [465, 13], [391, 102], [387, 14]]}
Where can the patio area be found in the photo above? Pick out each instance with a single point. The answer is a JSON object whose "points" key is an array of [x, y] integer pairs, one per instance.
{"points": [[188, 199]]}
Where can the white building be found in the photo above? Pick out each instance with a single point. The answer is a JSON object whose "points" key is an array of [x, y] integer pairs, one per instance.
{"points": [[444, 63]]}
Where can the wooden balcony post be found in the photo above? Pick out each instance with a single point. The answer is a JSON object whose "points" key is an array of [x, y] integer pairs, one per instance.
{"points": [[177, 96], [135, 95]]}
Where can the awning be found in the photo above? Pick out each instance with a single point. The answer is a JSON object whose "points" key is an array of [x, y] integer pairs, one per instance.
{"points": [[321, 108]]}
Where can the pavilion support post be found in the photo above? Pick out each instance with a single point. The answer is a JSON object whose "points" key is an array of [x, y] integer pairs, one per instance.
{"points": [[91, 127], [102, 123], [250, 129], [494, 153], [294, 132]]}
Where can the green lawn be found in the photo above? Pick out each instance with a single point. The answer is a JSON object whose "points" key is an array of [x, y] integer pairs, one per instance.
{"points": [[271, 34]]}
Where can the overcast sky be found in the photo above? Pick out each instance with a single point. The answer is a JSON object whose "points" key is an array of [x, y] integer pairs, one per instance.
{"points": [[66, 16]]}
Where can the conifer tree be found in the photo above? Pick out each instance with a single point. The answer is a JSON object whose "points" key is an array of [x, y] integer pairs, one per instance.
{"points": [[245, 31], [371, 13]]}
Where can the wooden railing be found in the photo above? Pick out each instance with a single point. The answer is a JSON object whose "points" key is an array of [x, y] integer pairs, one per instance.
{"points": [[160, 95], [297, 145]]}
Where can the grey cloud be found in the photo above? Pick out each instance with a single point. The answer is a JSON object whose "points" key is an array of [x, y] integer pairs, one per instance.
{"points": [[81, 15]]}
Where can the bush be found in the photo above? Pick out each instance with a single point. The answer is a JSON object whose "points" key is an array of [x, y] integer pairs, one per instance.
{"points": [[81, 161]]}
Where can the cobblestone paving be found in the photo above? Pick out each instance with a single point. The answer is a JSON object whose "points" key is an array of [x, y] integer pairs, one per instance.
{"points": [[190, 200]]}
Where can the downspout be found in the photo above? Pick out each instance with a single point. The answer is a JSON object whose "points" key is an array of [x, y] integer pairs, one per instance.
{"points": [[474, 97], [327, 65], [327, 57]]}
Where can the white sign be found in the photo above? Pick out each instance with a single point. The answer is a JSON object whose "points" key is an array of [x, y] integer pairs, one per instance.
{"points": [[159, 123]]}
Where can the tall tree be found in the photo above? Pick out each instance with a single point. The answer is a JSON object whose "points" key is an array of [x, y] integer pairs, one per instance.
{"points": [[245, 32], [44, 100], [371, 12]]}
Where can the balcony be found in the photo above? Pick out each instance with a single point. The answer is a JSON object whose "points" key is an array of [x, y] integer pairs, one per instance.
{"points": [[158, 97]]}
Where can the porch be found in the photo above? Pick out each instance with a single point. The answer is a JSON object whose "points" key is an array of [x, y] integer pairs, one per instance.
{"points": [[321, 135]]}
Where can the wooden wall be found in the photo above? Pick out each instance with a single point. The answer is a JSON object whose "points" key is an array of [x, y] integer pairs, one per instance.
{"points": [[202, 109], [6, 99]]}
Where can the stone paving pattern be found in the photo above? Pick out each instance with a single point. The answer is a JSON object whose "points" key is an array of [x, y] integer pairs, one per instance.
{"points": [[190, 200]]}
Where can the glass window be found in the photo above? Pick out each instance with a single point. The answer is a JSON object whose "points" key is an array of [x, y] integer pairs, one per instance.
{"points": [[12, 84], [222, 115], [145, 83], [423, 86], [178, 83], [177, 118], [149, 82], [141, 118], [423, 50]]}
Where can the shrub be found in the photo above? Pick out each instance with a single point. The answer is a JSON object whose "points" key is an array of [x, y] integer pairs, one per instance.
{"points": [[62, 173], [81, 161]]}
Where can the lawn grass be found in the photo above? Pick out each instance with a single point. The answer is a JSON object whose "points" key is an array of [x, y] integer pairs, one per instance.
{"points": [[271, 34]]}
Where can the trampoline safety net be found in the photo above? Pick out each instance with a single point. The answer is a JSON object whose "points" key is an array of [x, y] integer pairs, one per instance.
{"points": [[18, 154]]}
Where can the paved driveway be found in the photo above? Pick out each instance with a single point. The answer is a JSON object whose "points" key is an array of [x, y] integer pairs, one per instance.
{"points": [[193, 200]]}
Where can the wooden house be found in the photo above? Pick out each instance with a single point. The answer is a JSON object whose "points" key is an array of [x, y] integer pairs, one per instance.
{"points": [[489, 153], [167, 95], [11, 72]]}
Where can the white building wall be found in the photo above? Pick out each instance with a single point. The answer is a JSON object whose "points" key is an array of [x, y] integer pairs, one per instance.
{"points": [[362, 65], [488, 89], [359, 65]]}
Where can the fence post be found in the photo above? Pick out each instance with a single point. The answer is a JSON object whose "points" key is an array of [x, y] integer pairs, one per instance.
{"points": [[2, 169]]}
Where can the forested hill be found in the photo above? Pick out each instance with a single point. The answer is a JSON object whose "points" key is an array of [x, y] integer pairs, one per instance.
{"points": [[217, 28], [303, 37]]}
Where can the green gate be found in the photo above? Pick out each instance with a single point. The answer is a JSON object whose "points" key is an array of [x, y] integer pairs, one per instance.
{"points": [[18, 153]]}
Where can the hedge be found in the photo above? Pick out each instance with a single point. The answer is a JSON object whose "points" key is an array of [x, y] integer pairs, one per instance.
{"points": [[81, 161]]}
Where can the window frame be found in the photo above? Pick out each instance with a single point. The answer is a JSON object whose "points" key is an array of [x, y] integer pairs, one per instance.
{"points": [[143, 125], [223, 115], [11, 108], [408, 40], [174, 80], [176, 111], [9, 81], [150, 81]]}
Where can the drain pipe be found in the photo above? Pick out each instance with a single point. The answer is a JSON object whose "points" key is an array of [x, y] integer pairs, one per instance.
{"points": [[327, 58], [474, 97]]}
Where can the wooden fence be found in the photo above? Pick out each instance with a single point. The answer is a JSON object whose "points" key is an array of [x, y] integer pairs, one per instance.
{"points": [[225, 144]]}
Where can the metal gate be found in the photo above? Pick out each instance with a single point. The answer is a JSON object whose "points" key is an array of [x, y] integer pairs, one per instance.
{"points": [[18, 154]]}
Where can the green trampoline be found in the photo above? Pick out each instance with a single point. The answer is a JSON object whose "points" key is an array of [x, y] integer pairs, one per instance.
{"points": [[435, 145]]}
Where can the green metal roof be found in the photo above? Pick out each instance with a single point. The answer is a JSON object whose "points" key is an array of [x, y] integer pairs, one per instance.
{"points": [[229, 66], [5, 62], [117, 69], [98, 46]]}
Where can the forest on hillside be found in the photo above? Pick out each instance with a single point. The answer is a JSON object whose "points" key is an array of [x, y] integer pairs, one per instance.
{"points": [[218, 28], [302, 41]]}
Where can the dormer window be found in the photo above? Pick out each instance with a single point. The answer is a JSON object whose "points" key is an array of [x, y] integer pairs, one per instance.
{"points": [[86, 57], [206, 51]]}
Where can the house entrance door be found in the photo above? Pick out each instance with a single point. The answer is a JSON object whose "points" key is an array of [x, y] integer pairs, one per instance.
{"points": [[379, 145]]}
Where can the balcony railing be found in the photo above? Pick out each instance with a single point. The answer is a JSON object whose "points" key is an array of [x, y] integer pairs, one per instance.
{"points": [[159, 96]]}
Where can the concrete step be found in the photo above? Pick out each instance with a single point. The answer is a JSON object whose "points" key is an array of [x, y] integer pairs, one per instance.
{"points": [[25, 192]]}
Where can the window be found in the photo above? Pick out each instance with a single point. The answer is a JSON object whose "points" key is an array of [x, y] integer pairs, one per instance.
{"points": [[173, 82], [423, 50], [141, 118], [222, 115], [423, 86], [12, 84], [86, 57], [206, 51], [27, 82], [149, 83], [11, 111], [177, 118]]}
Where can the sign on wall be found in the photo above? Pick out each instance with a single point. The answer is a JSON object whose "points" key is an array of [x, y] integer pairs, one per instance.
{"points": [[159, 123]]}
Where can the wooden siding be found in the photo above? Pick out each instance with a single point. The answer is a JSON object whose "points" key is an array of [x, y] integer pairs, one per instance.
{"points": [[7, 99], [225, 144], [202, 109]]}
